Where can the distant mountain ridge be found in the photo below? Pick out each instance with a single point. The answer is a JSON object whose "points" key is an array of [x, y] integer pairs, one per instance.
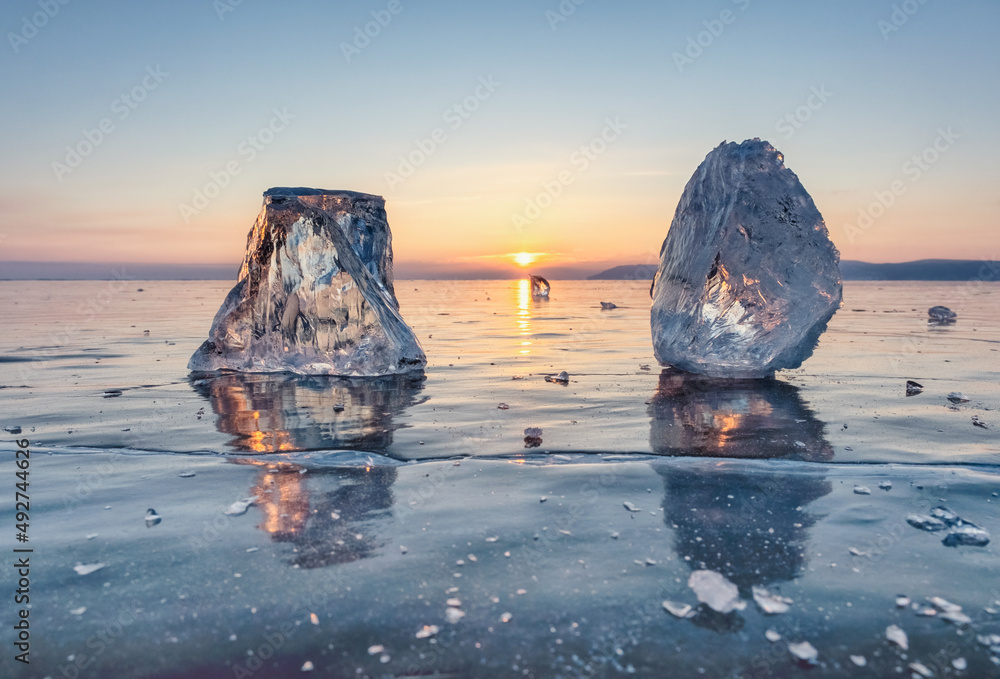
{"points": [[852, 270]]}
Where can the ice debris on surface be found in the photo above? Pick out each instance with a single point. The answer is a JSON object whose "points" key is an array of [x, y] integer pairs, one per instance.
{"points": [[902, 601], [315, 293], [87, 568], [920, 669], [607, 306], [862, 490], [804, 651], [913, 388], [772, 635], [631, 507], [941, 315], [897, 636], [771, 604], [679, 610], [976, 422], [539, 286], [561, 378], [532, 437], [240, 507], [925, 522], [715, 591], [885, 485], [427, 631], [78, 611], [968, 535], [307, 666], [14, 429], [152, 518], [748, 277], [453, 615], [957, 397]]}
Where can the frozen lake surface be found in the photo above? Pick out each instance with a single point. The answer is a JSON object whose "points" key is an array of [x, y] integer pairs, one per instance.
{"points": [[417, 527]]}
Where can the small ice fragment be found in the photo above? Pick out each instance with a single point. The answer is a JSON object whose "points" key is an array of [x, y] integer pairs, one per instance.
{"points": [[967, 535], [13, 429], [403, 549], [453, 615], [631, 507], [959, 664], [91, 536], [87, 568], [251, 550], [650, 562], [925, 522], [716, 591], [859, 660], [921, 669], [946, 515], [313, 618], [944, 605], [772, 635], [857, 552], [506, 617], [957, 397], [988, 639], [771, 604], [186, 474], [503, 406], [561, 378], [112, 393], [335, 516], [338, 407], [885, 485], [927, 612], [532, 437], [240, 507], [913, 388], [152, 518], [457, 603], [307, 666], [956, 618], [897, 636], [614, 536], [384, 658], [804, 651], [941, 315], [862, 490], [902, 601], [427, 631], [644, 366], [608, 305], [542, 499], [976, 422], [678, 610], [376, 649], [78, 611]]}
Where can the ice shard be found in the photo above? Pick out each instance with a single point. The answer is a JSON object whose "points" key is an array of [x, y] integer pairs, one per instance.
{"points": [[748, 277], [539, 286], [315, 293]]}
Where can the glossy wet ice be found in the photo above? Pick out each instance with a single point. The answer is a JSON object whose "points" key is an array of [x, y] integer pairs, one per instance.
{"points": [[372, 505]]}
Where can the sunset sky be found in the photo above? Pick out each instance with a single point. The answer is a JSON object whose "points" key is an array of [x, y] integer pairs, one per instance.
{"points": [[597, 112]]}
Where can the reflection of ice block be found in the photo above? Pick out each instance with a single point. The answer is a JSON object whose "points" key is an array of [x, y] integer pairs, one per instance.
{"points": [[314, 294], [275, 413], [748, 277], [706, 417]]}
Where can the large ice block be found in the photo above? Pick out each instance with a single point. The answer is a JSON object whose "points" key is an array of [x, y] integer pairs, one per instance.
{"points": [[748, 277], [314, 294]]}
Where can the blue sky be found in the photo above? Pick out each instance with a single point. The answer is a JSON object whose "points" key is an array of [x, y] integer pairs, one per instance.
{"points": [[863, 98]]}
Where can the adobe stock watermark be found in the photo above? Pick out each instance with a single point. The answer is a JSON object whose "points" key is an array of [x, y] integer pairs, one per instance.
{"points": [[454, 117], [247, 150], [581, 160], [224, 7], [701, 41], [913, 169], [36, 22], [901, 13], [562, 13], [122, 107], [794, 120], [363, 35]]}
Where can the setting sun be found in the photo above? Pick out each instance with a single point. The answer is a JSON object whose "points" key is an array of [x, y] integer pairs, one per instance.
{"points": [[524, 258]]}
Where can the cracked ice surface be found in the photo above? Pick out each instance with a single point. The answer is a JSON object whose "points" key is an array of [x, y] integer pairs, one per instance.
{"points": [[748, 277], [315, 293]]}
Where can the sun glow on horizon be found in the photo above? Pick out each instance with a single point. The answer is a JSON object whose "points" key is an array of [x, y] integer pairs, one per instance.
{"points": [[523, 259]]}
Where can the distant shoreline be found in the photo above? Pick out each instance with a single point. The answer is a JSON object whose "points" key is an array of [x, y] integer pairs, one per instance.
{"points": [[920, 270]]}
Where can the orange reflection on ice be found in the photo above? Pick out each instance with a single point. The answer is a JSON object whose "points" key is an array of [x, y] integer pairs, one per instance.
{"points": [[524, 313]]}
